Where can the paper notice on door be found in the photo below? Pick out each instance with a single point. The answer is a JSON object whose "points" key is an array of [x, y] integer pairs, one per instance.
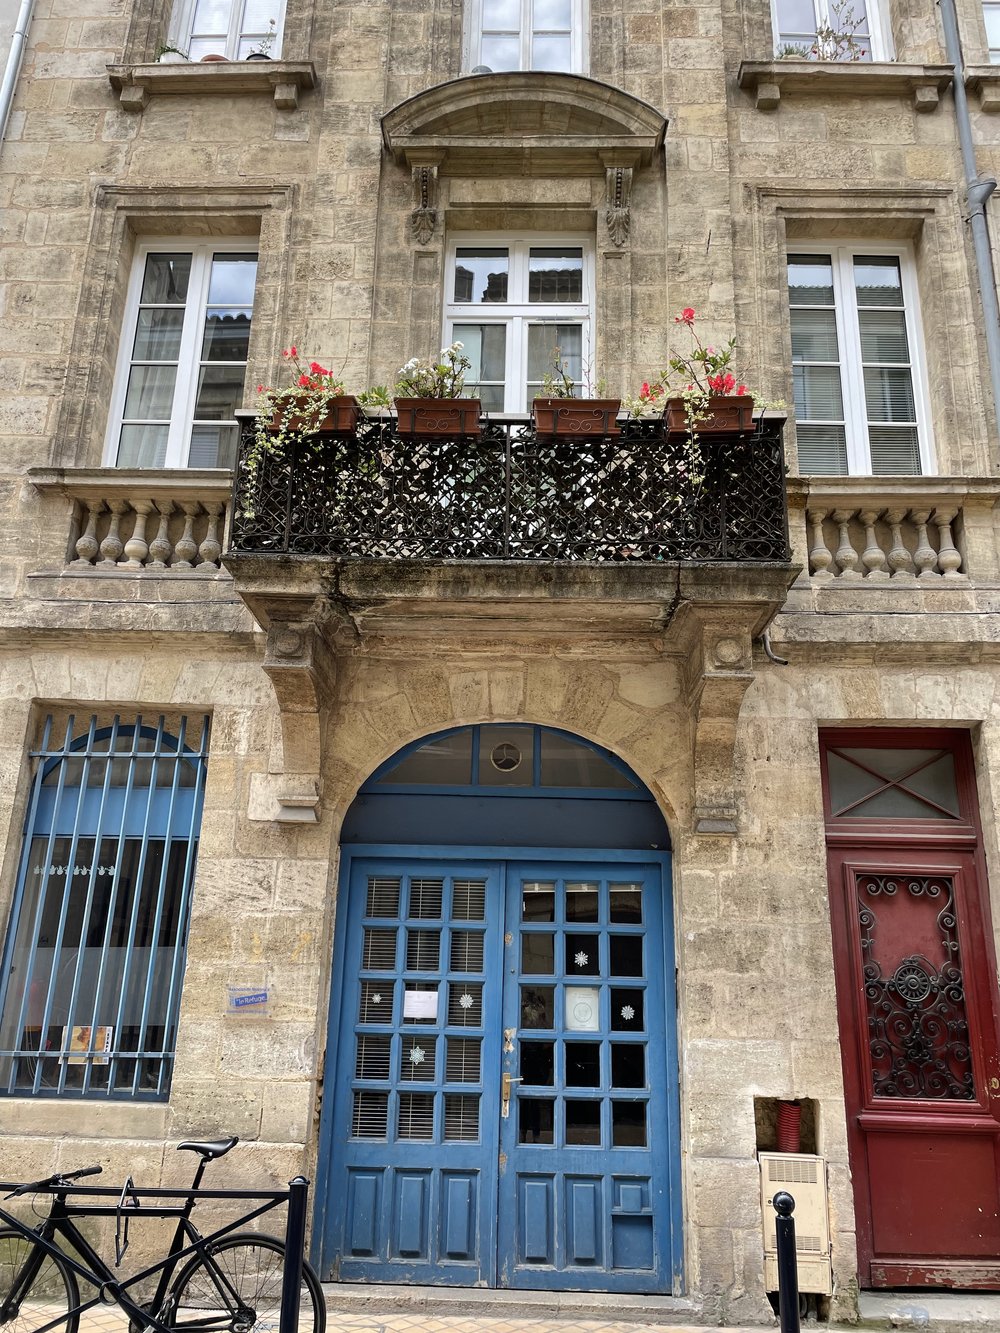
{"points": [[583, 1012], [420, 1004]]}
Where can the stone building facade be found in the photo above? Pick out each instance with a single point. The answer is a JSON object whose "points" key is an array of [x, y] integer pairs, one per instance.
{"points": [[669, 159]]}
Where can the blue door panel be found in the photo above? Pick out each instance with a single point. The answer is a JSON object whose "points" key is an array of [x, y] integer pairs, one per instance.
{"points": [[454, 973]]}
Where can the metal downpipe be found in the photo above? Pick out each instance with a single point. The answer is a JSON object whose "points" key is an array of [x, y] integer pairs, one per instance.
{"points": [[978, 190], [13, 66]]}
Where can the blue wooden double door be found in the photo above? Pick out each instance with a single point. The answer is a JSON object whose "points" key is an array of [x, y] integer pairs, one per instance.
{"points": [[505, 1088]]}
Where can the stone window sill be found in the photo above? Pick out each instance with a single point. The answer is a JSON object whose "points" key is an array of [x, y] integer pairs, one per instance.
{"points": [[136, 84], [766, 80]]}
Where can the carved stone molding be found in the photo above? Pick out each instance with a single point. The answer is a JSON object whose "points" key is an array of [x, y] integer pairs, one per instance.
{"points": [[423, 219], [618, 214]]}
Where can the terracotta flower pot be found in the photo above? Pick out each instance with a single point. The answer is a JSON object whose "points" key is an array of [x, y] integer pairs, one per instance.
{"points": [[575, 417], [724, 412], [441, 417], [207, 59], [340, 418]]}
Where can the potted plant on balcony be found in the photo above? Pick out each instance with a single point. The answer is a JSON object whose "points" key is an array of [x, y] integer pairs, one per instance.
{"points": [[560, 412], [429, 397], [313, 404], [712, 397]]}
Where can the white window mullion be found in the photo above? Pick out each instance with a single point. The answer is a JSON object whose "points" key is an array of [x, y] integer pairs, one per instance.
{"points": [[179, 439], [855, 406]]}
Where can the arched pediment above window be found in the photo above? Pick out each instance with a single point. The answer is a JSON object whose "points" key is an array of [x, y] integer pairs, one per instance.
{"points": [[553, 122]]}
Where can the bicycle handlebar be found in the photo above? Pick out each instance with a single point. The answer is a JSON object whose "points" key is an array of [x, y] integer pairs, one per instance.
{"points": [[60, 1178]]}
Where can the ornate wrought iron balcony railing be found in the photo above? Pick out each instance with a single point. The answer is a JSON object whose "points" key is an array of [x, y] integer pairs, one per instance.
{"points": [[509, 494]]}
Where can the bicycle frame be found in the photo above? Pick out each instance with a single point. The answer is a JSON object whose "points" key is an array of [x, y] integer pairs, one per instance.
{"points": [[187, 1240]]}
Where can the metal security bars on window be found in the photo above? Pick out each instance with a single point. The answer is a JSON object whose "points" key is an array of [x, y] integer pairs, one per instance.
{"points": [[94, 959]]}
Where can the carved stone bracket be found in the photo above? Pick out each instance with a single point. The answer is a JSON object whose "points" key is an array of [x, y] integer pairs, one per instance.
{"points": [[720, 669], [423, 219], [618, 214], [297, 664]]}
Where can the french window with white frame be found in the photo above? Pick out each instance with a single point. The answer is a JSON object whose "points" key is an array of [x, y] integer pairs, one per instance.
{"points": [[857, 362], [183, 355], [519, 306], [832, 29], [504, 35], [93, 965], [235, 29]]}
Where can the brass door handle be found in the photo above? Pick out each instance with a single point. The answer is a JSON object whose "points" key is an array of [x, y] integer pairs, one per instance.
{"points": [[505, 1083]]}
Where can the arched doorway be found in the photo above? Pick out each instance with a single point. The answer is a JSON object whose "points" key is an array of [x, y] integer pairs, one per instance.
{"points": [[501, 1076]]}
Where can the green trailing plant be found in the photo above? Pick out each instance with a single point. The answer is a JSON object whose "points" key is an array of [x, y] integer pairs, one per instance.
{"points": [[288, 418]]}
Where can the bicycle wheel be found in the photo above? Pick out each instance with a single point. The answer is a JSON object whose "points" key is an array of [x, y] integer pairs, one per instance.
{"points": [[29, 1302], [235, 1287]]}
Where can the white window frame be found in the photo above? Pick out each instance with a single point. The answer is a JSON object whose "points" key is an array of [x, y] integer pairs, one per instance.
{"points": [[879, 32], [516, 316], [182, 20], [475, 12], [992, 52], [849, 341], [189, 356]]}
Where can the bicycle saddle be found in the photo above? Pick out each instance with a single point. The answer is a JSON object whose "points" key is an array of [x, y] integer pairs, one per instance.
{"points": [[211, 1149]]}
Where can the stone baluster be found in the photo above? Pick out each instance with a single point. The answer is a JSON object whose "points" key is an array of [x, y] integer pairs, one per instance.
{"points": [[87, 547], [211, 548], [949, 558], [924, 557], [873, 557], [160, 548], [846, 556], [137, 548], [899, 559], [820, 558], [187, 548], [111, 546]]}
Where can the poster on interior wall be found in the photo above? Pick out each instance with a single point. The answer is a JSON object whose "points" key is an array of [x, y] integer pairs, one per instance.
{"points": [[76, 1042], [248, 1000], [583, 1009], [420, 1004]]}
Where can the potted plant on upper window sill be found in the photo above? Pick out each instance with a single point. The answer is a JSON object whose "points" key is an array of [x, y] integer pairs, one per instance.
{"points": [[429, 399], [560, 412]]}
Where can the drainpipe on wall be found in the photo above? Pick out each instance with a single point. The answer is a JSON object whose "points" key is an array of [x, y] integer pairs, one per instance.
{"points": [[978, 190], [13, 66]]}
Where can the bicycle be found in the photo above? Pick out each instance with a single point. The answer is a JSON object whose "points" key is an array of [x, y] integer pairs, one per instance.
{"points": [[228, 1282]]}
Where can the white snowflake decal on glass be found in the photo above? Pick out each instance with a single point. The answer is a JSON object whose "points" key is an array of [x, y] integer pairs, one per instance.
{"points": [[628, 1013], [465, 1000], [417, 1055], [581, 959], [376, 998]]}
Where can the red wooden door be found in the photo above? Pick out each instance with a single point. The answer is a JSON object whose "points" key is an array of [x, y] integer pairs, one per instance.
{"points": [[916, 993]]}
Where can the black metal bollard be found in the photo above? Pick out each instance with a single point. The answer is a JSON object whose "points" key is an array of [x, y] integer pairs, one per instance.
{"points": [[295, 1240], [788, 1273]]}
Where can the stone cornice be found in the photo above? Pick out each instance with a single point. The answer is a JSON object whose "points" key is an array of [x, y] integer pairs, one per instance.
{"points": [[768, 80], [135, 84], [984, 82], [87, 483], [890, 492], [523, 120]]}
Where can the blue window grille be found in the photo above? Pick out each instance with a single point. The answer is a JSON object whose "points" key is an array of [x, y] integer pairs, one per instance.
{"points": [[93, 964]]}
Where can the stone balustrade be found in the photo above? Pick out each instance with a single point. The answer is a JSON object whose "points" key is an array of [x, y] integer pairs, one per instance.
{"points": [[141, 522], [891, 531]]}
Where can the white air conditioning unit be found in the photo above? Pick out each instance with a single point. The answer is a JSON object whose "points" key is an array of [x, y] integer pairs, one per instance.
{"points": [[804, 1178]]}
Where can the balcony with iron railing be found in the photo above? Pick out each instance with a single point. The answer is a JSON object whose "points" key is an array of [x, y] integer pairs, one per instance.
{"points": [[511, 494]]}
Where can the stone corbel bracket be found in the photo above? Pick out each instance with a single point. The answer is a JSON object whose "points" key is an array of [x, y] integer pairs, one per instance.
{"points": [[299, 668], [618, 214], [720, 669], [424, 217]]}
